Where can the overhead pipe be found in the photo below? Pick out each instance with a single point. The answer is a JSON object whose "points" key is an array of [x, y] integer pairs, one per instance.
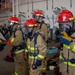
{"points": [[13, 7], [17, 9], [33, 2]]}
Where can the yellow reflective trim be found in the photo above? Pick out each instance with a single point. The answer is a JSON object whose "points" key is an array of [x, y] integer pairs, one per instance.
{"points": [[43, 69], [12, 40], [69, 63], [72, 18], [66, 46], [73, 48], [28, 47], [33, 57], [26, 50], [16, 73], [40, 56], [61, 57], [32, 48], [17, 52], [31, 25]]}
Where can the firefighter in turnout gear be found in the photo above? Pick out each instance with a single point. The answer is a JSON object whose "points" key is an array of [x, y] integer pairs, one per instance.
{"points": [[17, 50], [36, 47], [38, 15], [67, 55]]}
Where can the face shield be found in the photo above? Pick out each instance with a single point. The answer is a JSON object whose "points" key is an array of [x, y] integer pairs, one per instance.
{"points": [[29, 31], [66, 27], [38, 18], [10, 25]]}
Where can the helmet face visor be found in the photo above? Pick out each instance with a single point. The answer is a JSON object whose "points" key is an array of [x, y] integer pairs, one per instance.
{"points": [[65, 24], [10, 26], [65, 27], [11, 23], [36, 18], [29, 31]]}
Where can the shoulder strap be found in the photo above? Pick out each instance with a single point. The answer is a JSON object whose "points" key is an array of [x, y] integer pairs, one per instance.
{"points": [[41, 24], [15, 32], [35, 38]]}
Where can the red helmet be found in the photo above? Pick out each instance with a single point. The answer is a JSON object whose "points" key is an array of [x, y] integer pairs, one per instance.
{"points": [[30, 23], [65, 16], [14, 19], [38, 13]]}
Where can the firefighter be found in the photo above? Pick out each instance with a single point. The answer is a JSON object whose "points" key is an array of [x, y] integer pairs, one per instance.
{"points": [[38, 15], [15, 42], [67, 55], [36, 48]]}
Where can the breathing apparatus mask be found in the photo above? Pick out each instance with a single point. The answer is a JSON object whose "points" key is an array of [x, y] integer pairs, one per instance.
{"points": [[37, 18], [29, 31], [10, 27], [66, 27]]}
